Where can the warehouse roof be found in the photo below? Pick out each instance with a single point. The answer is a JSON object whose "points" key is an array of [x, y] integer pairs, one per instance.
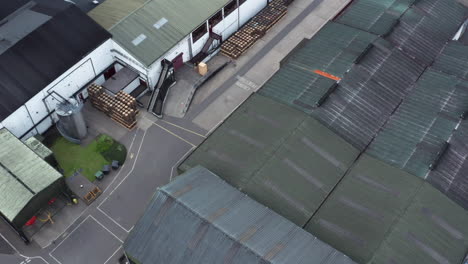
{"points": [[111, 12], [425, 28], [199, 218], [8, 7], [152, 30], [380, 214], [422, 124], [453, 60], [264, 140], [378, 17], [23, 174], [61, 41]]}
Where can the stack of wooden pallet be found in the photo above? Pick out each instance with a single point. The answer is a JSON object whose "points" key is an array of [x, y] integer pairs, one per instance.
{"points": [[121, 108], [238, 43]]}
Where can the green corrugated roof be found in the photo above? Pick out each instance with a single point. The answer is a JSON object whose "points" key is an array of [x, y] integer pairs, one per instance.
{"points": [[25, 168], [13, 195], [432, 231], [279, 156], [183, 16], [418, 129], [375, 16], [111, 12], [37, 146], [380, 214], [362, 209], [333, 50]]}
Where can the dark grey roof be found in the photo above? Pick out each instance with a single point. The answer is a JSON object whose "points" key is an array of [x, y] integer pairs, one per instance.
{"points": [[425, 28], [453, 60], [425, 120], [261, 142], [8, 7], [369, 93], [380, 214], [451, 174], [378, 17], [45, 54], [199, 218]]}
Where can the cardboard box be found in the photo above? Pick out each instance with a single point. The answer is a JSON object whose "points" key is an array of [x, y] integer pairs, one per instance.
{"points": [[202, 68]]}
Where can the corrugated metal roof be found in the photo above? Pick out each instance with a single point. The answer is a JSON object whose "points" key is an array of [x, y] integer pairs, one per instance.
{"points": [[263, 141], [333, 50], [453, 60], [111, 12], [45, 54], [433, 230], [199, 218], [369, 93], [363, 208], [183, 16], [375, 16], [380, 214], [425, 28], [23, 174], [425, 120], [450, 176]]}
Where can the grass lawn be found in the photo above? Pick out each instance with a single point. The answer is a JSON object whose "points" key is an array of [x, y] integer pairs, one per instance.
{"points": [[90, 158]]}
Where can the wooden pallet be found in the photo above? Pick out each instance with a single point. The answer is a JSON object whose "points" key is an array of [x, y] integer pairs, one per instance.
{"points": [[256, 28]]}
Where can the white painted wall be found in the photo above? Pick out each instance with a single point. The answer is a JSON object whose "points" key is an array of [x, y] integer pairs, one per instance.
{"points": [[230, 23], [249, 9], [197, 46], [66, 85], [121, 55]]}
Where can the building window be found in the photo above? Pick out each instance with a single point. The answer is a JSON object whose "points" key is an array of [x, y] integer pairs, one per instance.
{"points": [[229, 8], [199, 32], [214, 20], [241, 2]]}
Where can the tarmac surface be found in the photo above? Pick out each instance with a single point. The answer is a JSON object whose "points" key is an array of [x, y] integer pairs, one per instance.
{"points": [[95, 233]]}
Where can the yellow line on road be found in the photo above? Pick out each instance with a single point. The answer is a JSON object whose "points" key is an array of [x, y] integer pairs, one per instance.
{"points": [[175, 135], [183, 128]]}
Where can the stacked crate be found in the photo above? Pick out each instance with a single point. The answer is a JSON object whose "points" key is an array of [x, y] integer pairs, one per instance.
{"points": [[238, 43], [121, 108]]}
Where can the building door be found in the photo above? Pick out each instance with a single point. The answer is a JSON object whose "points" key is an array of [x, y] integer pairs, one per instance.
{"points": [[178, 61]]}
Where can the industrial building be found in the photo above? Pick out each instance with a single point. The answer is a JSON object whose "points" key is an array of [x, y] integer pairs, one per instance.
{"points": [[27, 182], [199, 218], [156, 37], [358, 137], [48, 52]]}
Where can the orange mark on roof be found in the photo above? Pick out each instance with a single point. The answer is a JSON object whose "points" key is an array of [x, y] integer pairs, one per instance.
{"points": [[329, 76]]}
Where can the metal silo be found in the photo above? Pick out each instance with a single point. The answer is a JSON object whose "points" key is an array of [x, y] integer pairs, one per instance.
{"points": [[71, 122]]}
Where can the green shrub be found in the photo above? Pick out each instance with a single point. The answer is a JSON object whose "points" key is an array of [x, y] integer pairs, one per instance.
{"points": [[104, 143]]}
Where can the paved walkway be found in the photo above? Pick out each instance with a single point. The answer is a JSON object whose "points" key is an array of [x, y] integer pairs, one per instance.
{"points": [[156, 148]]}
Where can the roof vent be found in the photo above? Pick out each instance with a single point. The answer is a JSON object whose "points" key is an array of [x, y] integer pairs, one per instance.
{"points": [[160, 23], [139, 39]]}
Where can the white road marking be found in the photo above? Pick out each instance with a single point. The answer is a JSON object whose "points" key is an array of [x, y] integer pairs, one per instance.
{"points": [[113, 254], [120, 183], [183, 128], [88, 208], [82, 222], [28, 259]]}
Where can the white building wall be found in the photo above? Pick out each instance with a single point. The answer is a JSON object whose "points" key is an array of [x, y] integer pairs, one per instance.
{"points": [[230, 24], [249, 9], [121, 55], [66, 85]]}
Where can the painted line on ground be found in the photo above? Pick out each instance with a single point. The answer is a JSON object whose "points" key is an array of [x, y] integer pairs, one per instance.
{"points": [[21, 255], [61, 242], [120, 183], [113, 254], [183, 128], [103, 226], [175, 135], [89, 207]]}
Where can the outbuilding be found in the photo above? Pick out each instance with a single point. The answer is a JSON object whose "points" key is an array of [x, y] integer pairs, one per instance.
{"points": [[27, 182]]}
